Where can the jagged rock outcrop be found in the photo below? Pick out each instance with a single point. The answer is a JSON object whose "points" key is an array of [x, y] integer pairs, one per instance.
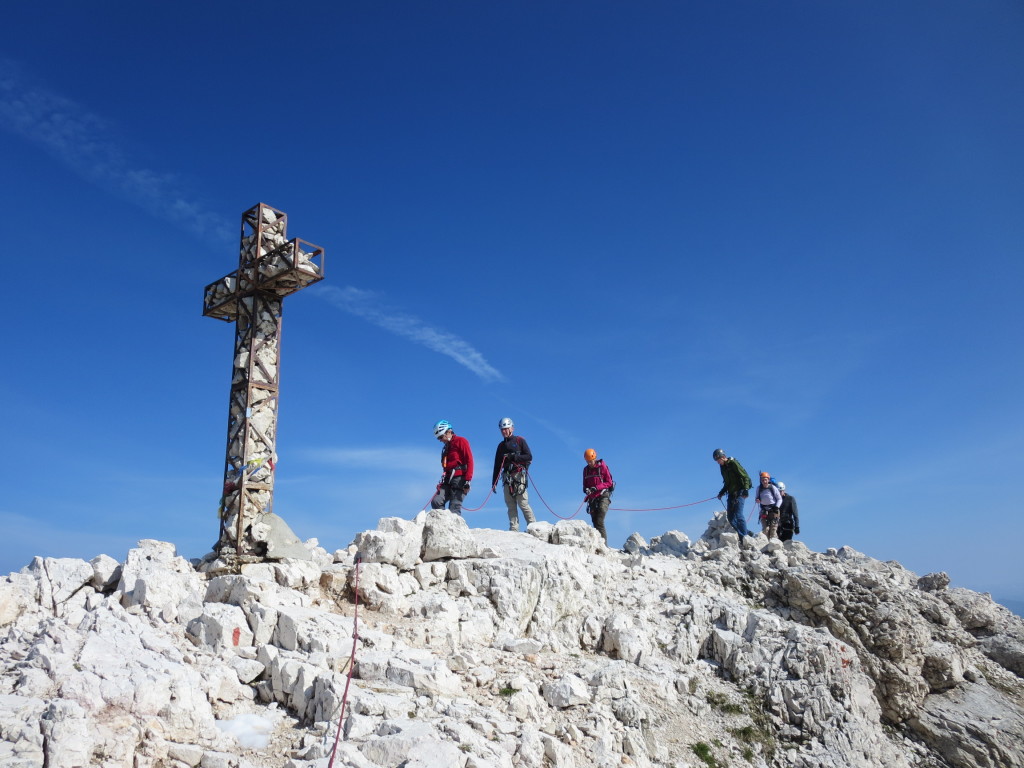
{"points": [[493, 649]]}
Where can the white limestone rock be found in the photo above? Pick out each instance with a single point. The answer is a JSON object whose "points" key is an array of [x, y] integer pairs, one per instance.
{"points": [[219, 627], [672, 544], [106, 572], [161, 583], [397, 741], [19, 593], [568, 691], [623, 639], [635, 544], [550, 652], [446, 535], [577, 533]]}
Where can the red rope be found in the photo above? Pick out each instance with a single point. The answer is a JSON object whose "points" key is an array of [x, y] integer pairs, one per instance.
{"points": [[351, 665], [659, 509], [477, 509], [549, 509], [490, 492], [580, 507], [466, 509]]}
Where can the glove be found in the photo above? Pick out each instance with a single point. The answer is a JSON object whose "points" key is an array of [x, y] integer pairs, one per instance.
{"points": [[720, 496], [494, 488], [796, 530], [589, 491], [744, 494]]}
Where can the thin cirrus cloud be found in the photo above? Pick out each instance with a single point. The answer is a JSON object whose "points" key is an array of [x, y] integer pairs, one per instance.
{"points": [[372, 458], [86, 143], [365, 304]]}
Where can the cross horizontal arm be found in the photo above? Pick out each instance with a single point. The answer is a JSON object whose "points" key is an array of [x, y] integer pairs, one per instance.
{"points": [[281, 272]]}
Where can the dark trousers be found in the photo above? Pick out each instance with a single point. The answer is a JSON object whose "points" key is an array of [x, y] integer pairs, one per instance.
{"points": [[597, 509], [451, 493]]}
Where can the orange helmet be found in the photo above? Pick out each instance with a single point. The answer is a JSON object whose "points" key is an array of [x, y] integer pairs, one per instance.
{"points": [[590, 454], [765, 474]]}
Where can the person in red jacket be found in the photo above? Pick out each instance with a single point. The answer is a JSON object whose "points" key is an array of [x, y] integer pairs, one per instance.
{"points": [[598, 486], [456, 469]]}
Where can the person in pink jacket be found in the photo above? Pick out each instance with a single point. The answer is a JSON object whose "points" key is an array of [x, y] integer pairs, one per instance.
{"points": [[598, 486]]}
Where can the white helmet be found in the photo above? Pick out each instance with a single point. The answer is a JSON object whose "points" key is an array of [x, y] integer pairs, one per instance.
{"points": [[781, 486], [505, 423], [441, 428]]}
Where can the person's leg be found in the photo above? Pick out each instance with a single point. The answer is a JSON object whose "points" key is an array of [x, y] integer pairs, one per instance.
{"points": [[772, 524], [523, 500], [735, 515], [440, 498], [455, 502], [513, 513], [599, 508]]}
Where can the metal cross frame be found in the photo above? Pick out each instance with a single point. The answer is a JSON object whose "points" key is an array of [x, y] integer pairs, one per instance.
{"points": [[270, 267]]}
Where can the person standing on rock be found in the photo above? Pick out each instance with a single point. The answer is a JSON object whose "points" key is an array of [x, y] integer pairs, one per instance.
{"points": [[789, 518], [770, 499], [735, 482], [598, 486], [512, 460], [456, 469]]}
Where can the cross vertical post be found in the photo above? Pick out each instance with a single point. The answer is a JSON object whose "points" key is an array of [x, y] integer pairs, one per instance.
{"points": [[270, 267]]}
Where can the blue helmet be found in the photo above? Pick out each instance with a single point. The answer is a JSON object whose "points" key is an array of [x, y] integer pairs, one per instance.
{"points": [[441, 428]]}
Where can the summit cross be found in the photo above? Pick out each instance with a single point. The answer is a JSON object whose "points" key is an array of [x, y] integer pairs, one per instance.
{"points": [[270, 267]]}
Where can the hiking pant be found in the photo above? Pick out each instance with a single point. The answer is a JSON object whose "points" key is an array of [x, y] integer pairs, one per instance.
{"points": [[770, 515], [786, 527], [520, 500], [450, 493], [734, 511], [597, 509]]}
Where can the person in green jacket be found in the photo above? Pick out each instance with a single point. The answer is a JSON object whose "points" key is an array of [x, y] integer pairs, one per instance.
{"points": [[735, 482]]}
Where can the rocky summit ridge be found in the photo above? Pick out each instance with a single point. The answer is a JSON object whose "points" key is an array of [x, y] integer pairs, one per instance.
{"points": [[491, 649]]}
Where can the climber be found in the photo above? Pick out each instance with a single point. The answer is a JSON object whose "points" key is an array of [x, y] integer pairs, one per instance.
{"points": [[770, 499], [512, 460], [598, 487], [735, 482], [456, 469], [789, 518]]}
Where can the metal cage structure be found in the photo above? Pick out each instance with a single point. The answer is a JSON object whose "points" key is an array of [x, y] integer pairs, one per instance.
{"points": [[270, 267]]}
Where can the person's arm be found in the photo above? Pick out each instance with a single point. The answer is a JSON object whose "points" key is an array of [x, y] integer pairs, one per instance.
{"points": [[497, 465], [796, 516], [524, 456], [469, 461]]}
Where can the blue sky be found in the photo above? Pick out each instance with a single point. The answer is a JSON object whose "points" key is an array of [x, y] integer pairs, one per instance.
{"points": [[789, 230]]}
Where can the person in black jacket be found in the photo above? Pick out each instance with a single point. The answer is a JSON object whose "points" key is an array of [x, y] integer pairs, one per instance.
{"points": [[511, 460], [789, 518]]}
